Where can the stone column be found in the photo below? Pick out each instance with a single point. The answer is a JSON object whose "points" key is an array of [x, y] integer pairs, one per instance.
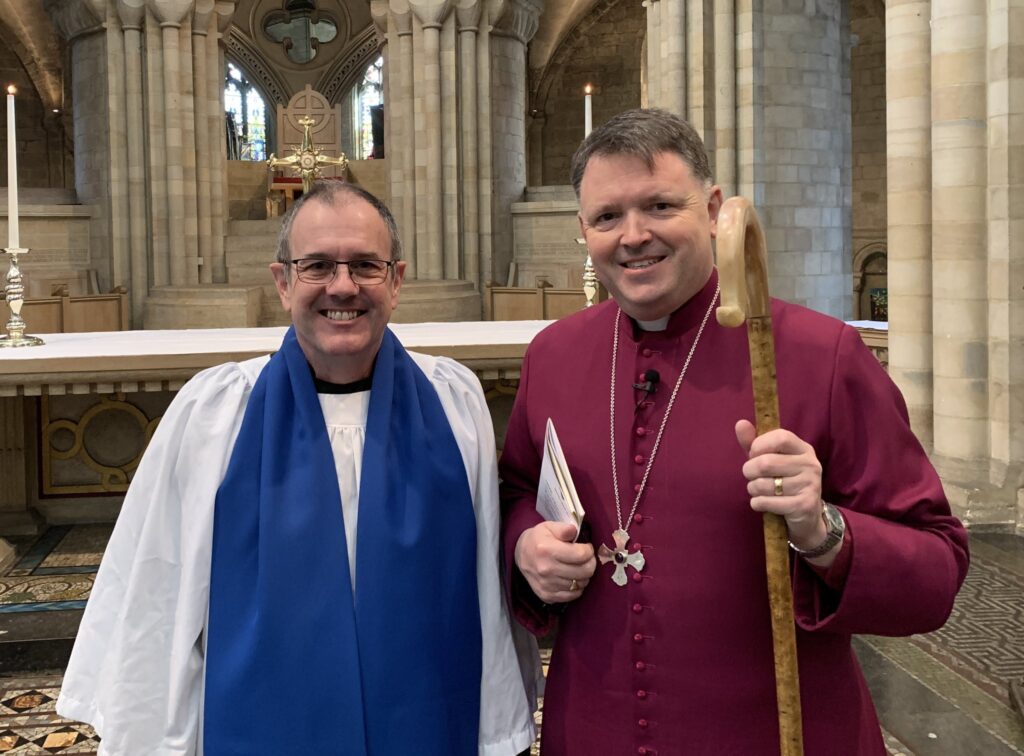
{"points": [[451, 157], [673, 56], [224, 10], [120, 272], [959, 239], [653, 42], [403, 127], [909, 205], [157, 161], [511, 31], [468, 15], [700, 74], [170, 16], [133, 14], [202, 17], [749, 98], [484, 148], [429, 185], [725, 96], [1006, 238]]}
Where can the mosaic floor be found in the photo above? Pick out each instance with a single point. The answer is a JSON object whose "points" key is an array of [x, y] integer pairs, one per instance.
{"points": [[941, 694]]}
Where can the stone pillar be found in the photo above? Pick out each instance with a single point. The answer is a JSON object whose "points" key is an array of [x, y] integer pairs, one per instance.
{"points": [[700, 74], [510, 34], [157, 161], [133, 14], [170, 16], [202, 17], [749, 98], [429, 184], [959, 239], [673, 56], [909, 206], [120, 269], [484, 150], [224, 9], [1006, 236], [725, 96], [468, 15], [403, 127], [653, 42]]}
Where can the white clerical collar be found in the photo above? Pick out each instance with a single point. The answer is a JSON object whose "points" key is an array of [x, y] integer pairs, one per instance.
{"points": [[653, 325]]}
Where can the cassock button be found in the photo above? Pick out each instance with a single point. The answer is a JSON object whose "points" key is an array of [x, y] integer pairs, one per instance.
{"points": [[646, 352], [641, 378], [638, 518], [640, 666], [637, 488], [641, 694], [642, 751], [639, 459], [641, 431], [642, 723], [637, 577], [638, 638], [637, 608]]}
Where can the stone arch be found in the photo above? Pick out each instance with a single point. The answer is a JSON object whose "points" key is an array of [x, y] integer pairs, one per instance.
{"points": [[348, 70], [557, 126]]}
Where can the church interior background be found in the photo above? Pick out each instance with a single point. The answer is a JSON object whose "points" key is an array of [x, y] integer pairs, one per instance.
{"points": [[881, 140]]}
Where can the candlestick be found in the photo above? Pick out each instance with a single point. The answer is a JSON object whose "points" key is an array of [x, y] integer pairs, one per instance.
{"points": [[12, 174], [588, 112], [14, 293]]}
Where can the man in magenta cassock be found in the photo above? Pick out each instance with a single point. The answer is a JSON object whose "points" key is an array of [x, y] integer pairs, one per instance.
{"points": [[652, 402]]}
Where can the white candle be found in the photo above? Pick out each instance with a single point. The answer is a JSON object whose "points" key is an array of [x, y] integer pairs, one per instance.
{"points": [[12, 174], [588, 112]]}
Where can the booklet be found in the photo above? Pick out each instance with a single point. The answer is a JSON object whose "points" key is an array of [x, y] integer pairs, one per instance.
{"points": [[556, 495]]}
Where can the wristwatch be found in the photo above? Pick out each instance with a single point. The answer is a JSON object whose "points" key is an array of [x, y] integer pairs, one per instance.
{"points": [[836, 527]]}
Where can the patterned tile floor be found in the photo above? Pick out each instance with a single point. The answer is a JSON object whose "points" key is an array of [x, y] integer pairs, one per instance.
{"points": [[941, 694]]}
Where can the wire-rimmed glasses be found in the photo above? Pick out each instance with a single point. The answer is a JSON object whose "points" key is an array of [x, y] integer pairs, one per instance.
{"points": [[317, 270]]}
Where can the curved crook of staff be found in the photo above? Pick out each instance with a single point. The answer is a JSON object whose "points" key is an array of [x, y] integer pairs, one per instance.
{"points": [[743, 275]]}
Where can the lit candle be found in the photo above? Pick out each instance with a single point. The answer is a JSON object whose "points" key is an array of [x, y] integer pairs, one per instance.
{"points": [[588, 111], [12, 174]]}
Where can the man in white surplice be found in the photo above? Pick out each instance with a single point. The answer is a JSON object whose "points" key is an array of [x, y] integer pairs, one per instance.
{"points": [[242, 608]]}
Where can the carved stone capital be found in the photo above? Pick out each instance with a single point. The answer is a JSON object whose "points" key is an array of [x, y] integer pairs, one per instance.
{"points": [[431, 13], [401, 17], [170, 12], [132, 13], [467, 13], [517, 18], [201, 16], [74, 18], [225, 10]]}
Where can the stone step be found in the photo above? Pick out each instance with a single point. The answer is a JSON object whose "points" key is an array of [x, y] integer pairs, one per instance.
{"points": [[37, 641], [562, 193]]}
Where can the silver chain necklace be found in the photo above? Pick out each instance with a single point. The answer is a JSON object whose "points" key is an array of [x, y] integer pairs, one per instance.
{"points": [[620, 556]]}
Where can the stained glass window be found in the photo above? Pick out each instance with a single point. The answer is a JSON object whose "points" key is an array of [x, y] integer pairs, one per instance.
{"points": [[247, 117], [369, 104]]}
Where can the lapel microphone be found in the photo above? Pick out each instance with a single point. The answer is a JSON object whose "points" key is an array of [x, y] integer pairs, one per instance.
{"points": [[649, 385]]}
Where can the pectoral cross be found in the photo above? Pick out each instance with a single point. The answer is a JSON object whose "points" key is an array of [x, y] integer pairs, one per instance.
{"points": [[620, 557], [307, 159]]}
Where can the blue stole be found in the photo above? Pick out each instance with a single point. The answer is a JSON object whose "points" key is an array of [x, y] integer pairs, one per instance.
{"points": [[294, 664]]}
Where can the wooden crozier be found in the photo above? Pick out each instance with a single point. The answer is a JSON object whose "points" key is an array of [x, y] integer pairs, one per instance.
{"points": [[743, 275]]}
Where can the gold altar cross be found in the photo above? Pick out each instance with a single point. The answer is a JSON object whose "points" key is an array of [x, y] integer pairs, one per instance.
{"points": [[307, 159]]}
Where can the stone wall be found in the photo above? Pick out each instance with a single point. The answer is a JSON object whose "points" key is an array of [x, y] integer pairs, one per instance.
{"points": [[604, 50]]}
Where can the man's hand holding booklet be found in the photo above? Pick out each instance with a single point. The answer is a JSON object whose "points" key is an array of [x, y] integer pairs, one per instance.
{"points": [[556, 495]]}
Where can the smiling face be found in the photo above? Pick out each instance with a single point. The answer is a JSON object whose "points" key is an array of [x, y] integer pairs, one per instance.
{"points": [[648, 231], [339, 325]]}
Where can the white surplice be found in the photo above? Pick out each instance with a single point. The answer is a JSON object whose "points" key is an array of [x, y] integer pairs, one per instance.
{"points": [[137, 670]]}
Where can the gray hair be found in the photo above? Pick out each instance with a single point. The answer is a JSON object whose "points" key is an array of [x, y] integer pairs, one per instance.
{"points": [[644, 133], [330, 193]]}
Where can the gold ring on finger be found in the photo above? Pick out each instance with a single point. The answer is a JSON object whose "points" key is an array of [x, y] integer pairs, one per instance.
{"points": [[573, 586], [778, 486]]}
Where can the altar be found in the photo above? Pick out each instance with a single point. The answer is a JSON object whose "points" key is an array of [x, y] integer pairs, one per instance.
{"points": [[76, 413]]}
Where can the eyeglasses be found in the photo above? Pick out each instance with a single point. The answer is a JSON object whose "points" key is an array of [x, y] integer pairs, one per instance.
{"points": [[317, 270]]}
